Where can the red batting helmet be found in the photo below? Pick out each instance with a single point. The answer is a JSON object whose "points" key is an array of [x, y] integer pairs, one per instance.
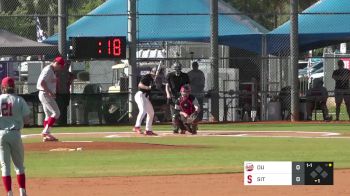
{"points": [[59, 60], [7, 82]]}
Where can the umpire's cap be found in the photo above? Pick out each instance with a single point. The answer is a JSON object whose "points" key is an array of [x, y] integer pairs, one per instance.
{"points": [[8, 82], [60, 61], [177, 66]]}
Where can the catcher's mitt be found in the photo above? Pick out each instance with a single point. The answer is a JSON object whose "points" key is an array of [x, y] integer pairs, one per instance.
{"points": [[192, 118]]}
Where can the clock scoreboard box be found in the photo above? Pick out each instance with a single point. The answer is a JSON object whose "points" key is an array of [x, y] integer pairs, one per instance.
{"points": [[104, 48]]}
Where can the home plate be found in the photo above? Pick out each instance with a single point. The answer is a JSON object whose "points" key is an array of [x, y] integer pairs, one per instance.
{"points": [[113, 136]]}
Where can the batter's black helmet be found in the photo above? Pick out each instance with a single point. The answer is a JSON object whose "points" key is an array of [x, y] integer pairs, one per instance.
{"points": [[153, 70]]}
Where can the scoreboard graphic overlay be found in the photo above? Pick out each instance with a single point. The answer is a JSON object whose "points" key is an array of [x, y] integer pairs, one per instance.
{"points": [[288, 173]]}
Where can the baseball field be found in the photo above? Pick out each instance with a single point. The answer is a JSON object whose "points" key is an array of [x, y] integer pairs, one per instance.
{"points": [[112, 160]]}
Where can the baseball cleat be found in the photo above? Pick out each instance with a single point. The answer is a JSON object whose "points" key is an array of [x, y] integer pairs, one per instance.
{"points": [[194, 129], [49, 138], [188, 128], [137, 130], [328, 118], [22, 192], [151, 133], [175, 129]]}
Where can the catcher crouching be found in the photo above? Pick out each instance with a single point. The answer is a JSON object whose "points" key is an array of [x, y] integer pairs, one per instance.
{"points": [[186, 111]]}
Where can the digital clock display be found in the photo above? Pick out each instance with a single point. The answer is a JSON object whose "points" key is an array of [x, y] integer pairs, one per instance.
{"points": [[98, 48]]}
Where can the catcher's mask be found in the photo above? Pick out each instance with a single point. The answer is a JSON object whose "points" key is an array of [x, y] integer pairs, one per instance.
{"points": [[177, 67], [185, 90]]}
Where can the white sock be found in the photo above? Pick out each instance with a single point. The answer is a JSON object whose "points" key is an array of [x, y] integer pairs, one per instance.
{"points": [[9, 193], [22, 192]]}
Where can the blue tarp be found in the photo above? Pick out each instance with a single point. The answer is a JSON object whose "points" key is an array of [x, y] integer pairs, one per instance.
{"points": [[167, 20], [322, 24]]}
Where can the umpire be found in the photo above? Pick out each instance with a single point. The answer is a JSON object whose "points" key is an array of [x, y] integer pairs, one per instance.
{"points": [[175, 80]]}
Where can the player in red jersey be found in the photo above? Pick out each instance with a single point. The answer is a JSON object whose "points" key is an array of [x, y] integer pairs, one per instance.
{"points": [[186, 111]]}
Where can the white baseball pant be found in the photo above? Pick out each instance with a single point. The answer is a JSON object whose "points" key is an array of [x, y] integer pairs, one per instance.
{"points": [[145, 107], [11, 147], [49, 105]]}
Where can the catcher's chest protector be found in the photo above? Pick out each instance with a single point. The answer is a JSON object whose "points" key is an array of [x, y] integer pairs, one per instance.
{"points": [[186, 105]]}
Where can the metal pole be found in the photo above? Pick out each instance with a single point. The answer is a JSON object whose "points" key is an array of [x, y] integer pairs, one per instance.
{"points": [[62, 23], [50, 26], [294, 54], [214, 47], [62, 48], [167, 63], [2, 5], [263, 80], [132, 58]]}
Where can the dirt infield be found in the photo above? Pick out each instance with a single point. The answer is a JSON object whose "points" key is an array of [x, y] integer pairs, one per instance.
{"points": [[178, 185], [73, 146]]}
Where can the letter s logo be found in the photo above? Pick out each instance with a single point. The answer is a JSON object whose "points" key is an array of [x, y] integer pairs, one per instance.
{"points": [[250, 180]]}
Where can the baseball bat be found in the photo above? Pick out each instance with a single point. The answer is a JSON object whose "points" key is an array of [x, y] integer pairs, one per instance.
{"points": [[158, 69]]}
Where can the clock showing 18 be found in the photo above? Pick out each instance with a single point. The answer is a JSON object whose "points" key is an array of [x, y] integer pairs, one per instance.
{"points": [[113, 47]]}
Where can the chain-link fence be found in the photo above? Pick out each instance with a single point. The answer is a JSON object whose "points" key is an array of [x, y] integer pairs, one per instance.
{"points": [[254, 64]]}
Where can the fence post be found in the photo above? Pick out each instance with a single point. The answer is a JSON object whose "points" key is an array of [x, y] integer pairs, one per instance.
{"points": [[62, 24], [132, 57], [294, 54], [263, 82], [214, 48]]}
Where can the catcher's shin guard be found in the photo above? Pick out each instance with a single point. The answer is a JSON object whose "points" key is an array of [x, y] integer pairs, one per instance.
{"points": [[175, 129], [175, 124], [188, 127], [194, 129], [178, 122], [182, 127]]}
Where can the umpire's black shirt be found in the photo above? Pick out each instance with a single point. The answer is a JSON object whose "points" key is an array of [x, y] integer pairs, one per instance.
{"points": [[175, 82], [343, 76]]}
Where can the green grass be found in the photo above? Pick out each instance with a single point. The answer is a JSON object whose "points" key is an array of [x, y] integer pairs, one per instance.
{"points": [[210, 155]]}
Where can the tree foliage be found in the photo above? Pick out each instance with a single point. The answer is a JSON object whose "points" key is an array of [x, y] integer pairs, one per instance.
{"points": [[16, 21], [77, 10], [268, 13], [17, 15]]}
